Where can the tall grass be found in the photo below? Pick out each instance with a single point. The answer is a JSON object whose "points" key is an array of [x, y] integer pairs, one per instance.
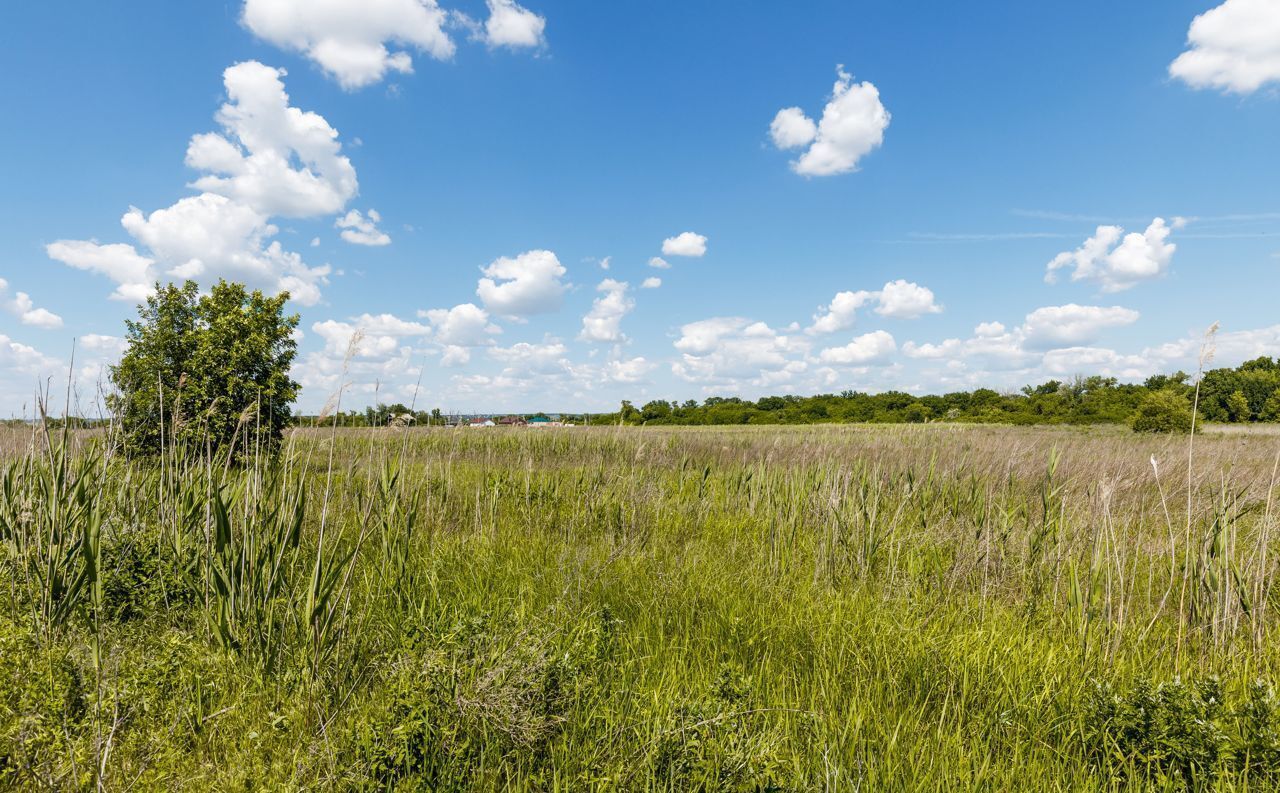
{"points": [[920, 607]]}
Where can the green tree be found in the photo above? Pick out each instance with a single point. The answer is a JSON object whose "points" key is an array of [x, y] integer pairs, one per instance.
{"points": [[1271, 410], [210, 371], [916, 413], [1238, 407], [1162, 411]]}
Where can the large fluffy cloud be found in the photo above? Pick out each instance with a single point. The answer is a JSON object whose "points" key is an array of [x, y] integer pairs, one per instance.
{"points": [[1117, 261], [270, 159], [209, 236], [254, 160], [852, 124], [349, 40], [1234, 47], [23, 307], [523, 286], [603, 322]]}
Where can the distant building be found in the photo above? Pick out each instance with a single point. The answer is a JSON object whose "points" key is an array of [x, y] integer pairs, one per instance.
{"points": [[480, 421], [512, 421]]}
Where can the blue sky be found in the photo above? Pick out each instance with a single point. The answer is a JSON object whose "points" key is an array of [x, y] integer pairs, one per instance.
{"points": [[870, 194]]}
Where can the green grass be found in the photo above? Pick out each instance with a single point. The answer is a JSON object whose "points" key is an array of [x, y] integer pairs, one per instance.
{"points": [[841, 608]]}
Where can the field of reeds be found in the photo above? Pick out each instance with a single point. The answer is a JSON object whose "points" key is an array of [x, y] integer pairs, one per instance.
{"points": [[911, 607]]}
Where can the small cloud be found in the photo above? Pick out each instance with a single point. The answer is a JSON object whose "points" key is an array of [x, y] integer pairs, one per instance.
{"points": [[361, 230], [22, 307], [660, 263], [684, 244], [513, 26], [652, 282]]}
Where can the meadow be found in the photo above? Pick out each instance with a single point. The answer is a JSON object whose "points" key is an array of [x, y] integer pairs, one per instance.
{"points": [[862, 607]]}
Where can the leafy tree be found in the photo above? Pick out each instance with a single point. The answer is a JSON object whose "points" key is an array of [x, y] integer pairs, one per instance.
{"points": [[916, 414], [1162, 411], [210, 371], [1238, 407], [1271, 410]]}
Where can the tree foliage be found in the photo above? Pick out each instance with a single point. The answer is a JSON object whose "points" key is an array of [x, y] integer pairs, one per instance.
{"points": [[1162, 403], [1165, 410], [209, 371]]}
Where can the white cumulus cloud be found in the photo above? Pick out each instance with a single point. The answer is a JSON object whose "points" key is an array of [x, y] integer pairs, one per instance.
{"points": [[522, 286], [254, 161], [684, 244], [841, 313], [1234, 47], [120, 262], [348, 40], [898, 299], [464, 325], [724, 350], [852, 125], [791, 129], [875, 347], [603, 322], [906, 300], [652, 282], [359, 229], [23, 307], [272, 159], [659, 263], [380, 335], [1117, 261], [1072, 325], [512, 25]]}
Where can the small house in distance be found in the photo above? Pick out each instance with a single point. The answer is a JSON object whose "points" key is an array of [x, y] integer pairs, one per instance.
{"points": [[544, 421]]}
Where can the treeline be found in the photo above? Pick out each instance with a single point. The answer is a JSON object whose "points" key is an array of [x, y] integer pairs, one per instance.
{"points": [[1250, 392], [399, 414]]}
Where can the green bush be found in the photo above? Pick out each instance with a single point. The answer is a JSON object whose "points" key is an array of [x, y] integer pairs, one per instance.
{"points": [[1184, 735], [1162, 411]]}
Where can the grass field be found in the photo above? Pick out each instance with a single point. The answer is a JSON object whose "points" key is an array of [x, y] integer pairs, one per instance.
{"points": [[932, 607]]}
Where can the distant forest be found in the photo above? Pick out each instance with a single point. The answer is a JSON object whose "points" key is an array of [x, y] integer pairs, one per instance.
{"points": [[1250, 392], [1247, 393]]}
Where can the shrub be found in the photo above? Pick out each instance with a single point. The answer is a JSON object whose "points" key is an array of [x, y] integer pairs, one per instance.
{"points": [[1162, 411], [1183, 735]]}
